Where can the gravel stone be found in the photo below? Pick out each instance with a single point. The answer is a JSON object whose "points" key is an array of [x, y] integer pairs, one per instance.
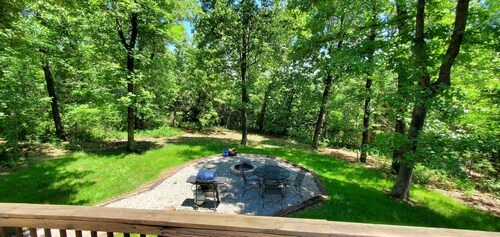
{"points": [[175, 194]]}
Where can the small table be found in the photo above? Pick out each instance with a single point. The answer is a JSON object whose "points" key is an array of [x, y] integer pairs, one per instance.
{"points": [[271, 172], [273, 179]]}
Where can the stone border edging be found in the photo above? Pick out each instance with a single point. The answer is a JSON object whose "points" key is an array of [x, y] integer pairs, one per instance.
{"points": [[283, 212], [154, 184], [308, 202], [300, 206]]}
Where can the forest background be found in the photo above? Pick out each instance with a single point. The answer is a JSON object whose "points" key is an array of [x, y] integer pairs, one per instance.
{"points": [[412, 81]]}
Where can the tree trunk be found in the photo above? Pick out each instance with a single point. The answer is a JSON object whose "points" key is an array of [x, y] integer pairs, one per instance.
{"points": [[402, 82], [130, 46], [288, 112], [326, 92], [366, 121], [130, 108], [366, 117], [130, 84], [174, 117], [244, 99], [49, 79], [262, 114], [322, 109], [401, 188], [399, 127], [403, 181], [244, 94], [223, 119], [325, 127]]}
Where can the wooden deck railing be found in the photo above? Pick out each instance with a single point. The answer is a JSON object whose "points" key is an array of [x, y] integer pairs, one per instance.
{"points": [[72, 220]]}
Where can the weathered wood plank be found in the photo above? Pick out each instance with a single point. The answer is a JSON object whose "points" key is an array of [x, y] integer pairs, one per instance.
{"points": [[93, 233], [108, 216], [165, 223], [33, 232], [153, 230], [357, 229], [109, 234], [3, 231], [47, 232], [78, 233], [19, 232]]}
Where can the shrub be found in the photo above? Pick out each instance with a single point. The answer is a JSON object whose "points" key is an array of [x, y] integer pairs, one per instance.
{"points": [[86, 123]]}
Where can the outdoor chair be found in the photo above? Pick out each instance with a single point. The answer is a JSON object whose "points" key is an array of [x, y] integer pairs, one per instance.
{"points": [[249, 183], [297, 182], [271, 186]]}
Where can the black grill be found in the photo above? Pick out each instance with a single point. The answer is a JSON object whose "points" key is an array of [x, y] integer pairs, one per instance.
{"points": [[206, 182]]}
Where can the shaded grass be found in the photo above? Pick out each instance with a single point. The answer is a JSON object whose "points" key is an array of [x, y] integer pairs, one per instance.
{"points": [[356, 193], [359, 194], [87, 178], [164, 131]]}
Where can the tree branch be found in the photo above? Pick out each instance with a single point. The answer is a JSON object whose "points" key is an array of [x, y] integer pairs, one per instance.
{"points": [[454, 46], [135, 30], [119, 26]]}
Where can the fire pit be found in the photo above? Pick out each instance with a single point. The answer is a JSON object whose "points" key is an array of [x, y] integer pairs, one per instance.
{"points": [[247, 168]]}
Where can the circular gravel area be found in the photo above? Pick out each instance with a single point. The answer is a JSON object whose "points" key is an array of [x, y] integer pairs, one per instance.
{"points": [[174, 193]]}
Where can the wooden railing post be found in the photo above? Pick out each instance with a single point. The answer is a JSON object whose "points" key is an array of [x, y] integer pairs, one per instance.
{"points": [[19, 232], [33, 232], [63, 233], [47, 232]]}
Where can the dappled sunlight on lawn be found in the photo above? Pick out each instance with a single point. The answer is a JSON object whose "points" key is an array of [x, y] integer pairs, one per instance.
{"points": [[356, 193]]}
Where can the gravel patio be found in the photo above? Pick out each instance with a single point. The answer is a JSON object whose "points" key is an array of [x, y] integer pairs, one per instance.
{"points": [[173, 193]]}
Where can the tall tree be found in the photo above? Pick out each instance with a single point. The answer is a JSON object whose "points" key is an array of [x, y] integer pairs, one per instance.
{"points": [[428, 90], [371, 47], [263, 108], [327, 87], [130, 47], [49, 80], [402, 79], [238, 32], [322, 109], [245, 38]]}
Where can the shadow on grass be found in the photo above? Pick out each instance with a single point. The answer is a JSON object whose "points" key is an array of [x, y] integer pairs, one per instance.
{"points": [[201, 147], [44, 183], [356, 194], [111, 148], [282, 143], [358, 203]]}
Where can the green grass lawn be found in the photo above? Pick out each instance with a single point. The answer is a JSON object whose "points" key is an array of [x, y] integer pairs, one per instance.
{"points": [[357, 194]]}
